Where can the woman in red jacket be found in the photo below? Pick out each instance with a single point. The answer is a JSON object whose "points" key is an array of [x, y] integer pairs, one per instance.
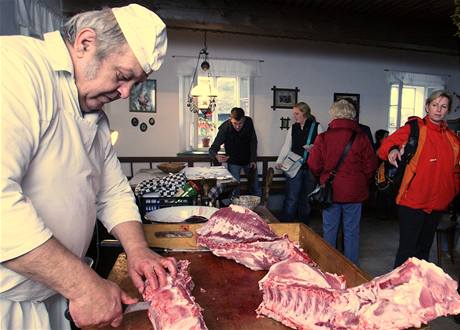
{"points": [[351, 184], [431, 179]]}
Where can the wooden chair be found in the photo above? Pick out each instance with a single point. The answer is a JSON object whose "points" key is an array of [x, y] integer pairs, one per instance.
{"points": [[267, 184], [446, 225]]}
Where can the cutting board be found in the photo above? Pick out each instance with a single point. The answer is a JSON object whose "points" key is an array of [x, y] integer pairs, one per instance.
{"points": [[228, 293]]}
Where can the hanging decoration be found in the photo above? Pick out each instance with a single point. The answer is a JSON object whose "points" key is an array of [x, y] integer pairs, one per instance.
{"points": [[143, 127], [202, 93], [285, 123]]}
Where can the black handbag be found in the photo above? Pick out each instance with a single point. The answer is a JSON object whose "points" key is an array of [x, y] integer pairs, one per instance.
{"points": [[322, 194]]}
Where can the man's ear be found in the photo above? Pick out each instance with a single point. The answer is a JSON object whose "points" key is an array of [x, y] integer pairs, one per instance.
{"points": [[85, 42]]}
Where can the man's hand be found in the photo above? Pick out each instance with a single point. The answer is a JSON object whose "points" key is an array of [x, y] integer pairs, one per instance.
{"points": [[222, 158], [144, 264], [93, 301], [99, 304], [253, 165], [278, 166]]}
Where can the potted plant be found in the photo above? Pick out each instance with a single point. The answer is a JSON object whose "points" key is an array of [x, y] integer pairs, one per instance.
{"points": [[205, 129]]}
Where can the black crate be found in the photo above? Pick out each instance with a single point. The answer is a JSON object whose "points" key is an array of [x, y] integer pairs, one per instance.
{"points": [[147, 204]]}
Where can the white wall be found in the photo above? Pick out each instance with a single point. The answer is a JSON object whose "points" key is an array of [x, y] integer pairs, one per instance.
{"points": [[317, 69]]}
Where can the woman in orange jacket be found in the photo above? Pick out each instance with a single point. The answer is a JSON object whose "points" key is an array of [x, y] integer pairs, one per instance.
{"points": [[431, 179]]}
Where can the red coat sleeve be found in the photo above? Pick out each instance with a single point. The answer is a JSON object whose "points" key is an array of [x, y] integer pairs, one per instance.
{"points": [[398, 138], [369, 160], [315, 161]]}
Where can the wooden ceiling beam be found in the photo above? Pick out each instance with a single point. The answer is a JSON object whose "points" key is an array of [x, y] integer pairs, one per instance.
{"points": [[307, 22]]}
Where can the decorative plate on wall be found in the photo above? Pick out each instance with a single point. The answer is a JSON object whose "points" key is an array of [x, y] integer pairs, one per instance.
{"points": [[134, 121], [143, 127], [151, 121]]}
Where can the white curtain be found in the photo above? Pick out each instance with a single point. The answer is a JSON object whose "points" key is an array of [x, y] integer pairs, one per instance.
{"points": [[416, 79], [36, 17]]}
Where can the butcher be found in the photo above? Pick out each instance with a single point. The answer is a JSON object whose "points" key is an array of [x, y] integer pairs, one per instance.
{"points": [[59, 170]]}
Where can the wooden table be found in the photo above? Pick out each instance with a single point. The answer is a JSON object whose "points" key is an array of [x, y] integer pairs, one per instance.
{"points": [[227, 291]]}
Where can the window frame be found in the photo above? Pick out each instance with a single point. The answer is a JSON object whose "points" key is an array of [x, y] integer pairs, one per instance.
{"points": [[399, 108], [189, 120]]}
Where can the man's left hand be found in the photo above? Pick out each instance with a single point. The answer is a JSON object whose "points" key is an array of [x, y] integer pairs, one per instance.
{"points": [[253, 164], [144, 264]]}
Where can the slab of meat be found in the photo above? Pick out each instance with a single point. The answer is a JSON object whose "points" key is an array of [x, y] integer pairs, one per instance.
{"points": [[173, 307], [237, 233], [302, 297]]}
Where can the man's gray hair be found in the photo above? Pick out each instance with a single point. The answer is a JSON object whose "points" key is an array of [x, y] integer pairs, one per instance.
{"points": [[342, 109], [109, 37]]}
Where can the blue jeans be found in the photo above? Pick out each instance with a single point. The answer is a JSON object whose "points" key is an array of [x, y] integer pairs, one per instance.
{"points": [[351, 213], [235, 170], [296, 206]]}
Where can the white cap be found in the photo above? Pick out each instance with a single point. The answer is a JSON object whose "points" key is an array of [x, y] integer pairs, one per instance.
{"points": [[145, 33]]}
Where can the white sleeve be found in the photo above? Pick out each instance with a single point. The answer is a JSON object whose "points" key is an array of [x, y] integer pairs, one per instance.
{"points": [[23, 121], [115, 200], [286, 147]]}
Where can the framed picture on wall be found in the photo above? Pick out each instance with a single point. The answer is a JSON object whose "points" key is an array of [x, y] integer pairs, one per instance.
{"points": [[352, 98], [143, 97], [284, 98]]}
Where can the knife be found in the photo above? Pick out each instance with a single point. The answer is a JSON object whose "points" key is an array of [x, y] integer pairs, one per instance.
{"points": [[140, 306], [172, 250]]}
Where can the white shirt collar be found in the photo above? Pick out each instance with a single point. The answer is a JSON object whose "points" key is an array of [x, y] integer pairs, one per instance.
{"points": [[58, 53]]}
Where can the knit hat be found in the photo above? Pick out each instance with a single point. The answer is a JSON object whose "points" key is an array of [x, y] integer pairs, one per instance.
{"points": [[145, 33]]}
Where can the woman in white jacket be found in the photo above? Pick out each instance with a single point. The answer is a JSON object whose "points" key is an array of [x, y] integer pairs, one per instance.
{"points": [[299, 139]]}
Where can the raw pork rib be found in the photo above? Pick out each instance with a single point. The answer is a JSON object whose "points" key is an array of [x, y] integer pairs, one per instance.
{"points": [[302, 297], [173, 307], [237, 233]]}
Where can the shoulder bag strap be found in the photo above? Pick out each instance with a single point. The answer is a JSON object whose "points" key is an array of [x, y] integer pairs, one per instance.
{"points": [[308, 142], [342, 157]]}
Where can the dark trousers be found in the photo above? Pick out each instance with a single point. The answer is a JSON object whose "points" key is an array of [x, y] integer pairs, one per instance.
{"points": [[416, 233]]}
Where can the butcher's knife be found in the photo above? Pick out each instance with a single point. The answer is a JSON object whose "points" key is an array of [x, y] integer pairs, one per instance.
{"points": [[140, 306]]}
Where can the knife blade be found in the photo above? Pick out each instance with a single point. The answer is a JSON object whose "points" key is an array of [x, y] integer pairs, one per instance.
{"points": [[172, 250], [174, 234], [140, 306]]}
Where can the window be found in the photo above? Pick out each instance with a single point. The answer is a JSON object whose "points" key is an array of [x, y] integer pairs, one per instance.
{"points": [[232, 92], [233, 80], [408, 92]]}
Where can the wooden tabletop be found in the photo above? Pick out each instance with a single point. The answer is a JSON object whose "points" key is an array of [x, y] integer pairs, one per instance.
{"points": [[228, 292]]}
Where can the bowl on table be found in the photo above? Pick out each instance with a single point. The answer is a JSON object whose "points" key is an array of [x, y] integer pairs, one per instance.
{"points": [[248, 201], [171, 167]]}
